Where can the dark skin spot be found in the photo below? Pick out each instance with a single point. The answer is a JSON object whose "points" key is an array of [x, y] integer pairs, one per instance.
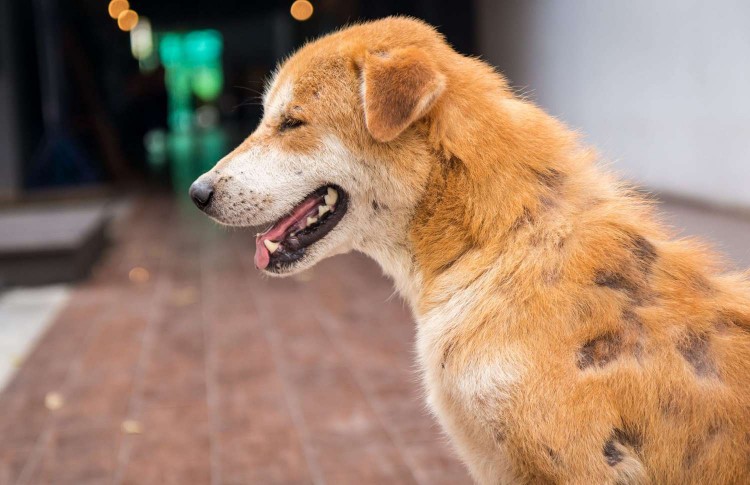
{"points": [[644, 251], [702, 284], [722, 326], [548, 202], [552, 275], [612, 454], [730, 319], [549, 177], [620, 282], [375, 205], [626, 340], [620, 441], [696, 349], [553, 456], [698, 444], [616, 281], [452, 164], [633, 274], [524, 219], [600, 351]]}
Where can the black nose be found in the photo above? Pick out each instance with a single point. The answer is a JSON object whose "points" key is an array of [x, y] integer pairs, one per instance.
{"points": [[201, 192]]}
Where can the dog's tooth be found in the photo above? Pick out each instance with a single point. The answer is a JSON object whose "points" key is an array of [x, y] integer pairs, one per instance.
{"points": [[322, 209], [311, 220], [331, 197], [270, 245]]}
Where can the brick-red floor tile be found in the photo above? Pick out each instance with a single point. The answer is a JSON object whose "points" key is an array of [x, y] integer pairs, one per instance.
{"points": [[233, 378]]}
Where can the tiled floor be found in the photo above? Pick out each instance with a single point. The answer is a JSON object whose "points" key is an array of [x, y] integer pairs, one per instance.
{"points": [[177, 363], [208, 373]]}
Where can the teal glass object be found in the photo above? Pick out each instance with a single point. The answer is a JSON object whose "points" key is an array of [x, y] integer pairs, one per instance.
{"points": [[178, 80], [170, 49], [207, 82], [193, 69], [180, 119], [203, 47]]}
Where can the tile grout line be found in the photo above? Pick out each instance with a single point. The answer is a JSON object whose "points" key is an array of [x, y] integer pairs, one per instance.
{"points": [[324, 320], [209, 365], [135, 405], [290, 396], [291, 399], [71, 376]]}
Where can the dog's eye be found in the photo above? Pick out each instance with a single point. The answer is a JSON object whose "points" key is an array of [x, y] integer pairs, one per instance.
{"points": [[290, 123]]}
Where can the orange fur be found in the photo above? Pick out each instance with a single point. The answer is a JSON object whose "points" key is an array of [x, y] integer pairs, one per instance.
{"points": [[564, 336]]}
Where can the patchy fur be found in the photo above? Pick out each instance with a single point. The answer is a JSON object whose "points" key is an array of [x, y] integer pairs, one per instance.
{"points": [[563, 335]]}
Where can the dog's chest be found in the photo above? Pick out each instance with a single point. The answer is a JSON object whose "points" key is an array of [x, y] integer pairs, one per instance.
{"points": [[472, 398], [471, 378], [468, 381]]}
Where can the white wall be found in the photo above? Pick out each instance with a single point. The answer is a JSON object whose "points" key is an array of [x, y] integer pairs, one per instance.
{"points": [[661, 87]]}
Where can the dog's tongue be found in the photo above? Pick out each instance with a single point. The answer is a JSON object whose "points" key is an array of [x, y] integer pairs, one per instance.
{"points": [[278, 231]]}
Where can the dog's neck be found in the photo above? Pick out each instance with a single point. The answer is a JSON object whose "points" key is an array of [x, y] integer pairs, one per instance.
{"points": [[393, 251], [480, 190]]}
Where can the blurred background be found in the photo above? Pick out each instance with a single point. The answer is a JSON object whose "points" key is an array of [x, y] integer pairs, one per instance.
{"points": [[137, 342]]}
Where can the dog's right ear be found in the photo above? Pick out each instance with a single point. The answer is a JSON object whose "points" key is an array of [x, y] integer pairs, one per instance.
{"points": [[398, 88]]}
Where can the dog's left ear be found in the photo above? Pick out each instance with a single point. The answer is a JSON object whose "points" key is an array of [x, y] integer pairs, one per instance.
{"points": [[398, 88]]}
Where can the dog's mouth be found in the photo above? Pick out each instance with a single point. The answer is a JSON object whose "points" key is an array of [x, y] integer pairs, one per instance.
{"points": [[286, 241]]}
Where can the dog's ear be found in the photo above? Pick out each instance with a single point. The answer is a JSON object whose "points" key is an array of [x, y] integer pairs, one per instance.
{"points": [[398, 88]]}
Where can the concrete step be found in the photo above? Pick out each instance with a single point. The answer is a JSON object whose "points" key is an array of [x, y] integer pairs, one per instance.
{"points": [[51, 242]]}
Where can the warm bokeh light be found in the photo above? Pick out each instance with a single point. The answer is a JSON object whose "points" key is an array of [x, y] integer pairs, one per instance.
{"points": [[127, 20], [139, 275], [116, 7], [131, 426], [53, 401], [301, 10]]}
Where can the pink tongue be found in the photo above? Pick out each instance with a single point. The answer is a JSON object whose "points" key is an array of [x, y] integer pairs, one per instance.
{"points": [[278, 231]]}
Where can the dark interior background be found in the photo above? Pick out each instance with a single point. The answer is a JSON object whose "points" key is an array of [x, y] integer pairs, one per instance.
{"points": [[109, 105]]}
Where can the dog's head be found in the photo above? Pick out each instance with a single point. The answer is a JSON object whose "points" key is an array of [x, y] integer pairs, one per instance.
{"points": [[342, 155]]}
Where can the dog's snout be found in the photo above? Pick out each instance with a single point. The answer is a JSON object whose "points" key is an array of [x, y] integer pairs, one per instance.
{"points": [[201, 192]]}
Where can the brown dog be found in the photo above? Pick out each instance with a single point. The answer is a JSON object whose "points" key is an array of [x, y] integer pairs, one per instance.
{"points": [[562, 335]]}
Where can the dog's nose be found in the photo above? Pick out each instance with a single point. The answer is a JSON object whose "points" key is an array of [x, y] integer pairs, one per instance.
{"points": [[201, 192]]}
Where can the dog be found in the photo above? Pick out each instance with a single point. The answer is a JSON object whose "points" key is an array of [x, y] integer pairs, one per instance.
{"points": [[563, 334]]}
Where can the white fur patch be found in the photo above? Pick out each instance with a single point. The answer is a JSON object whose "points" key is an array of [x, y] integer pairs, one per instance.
{"points": [[478, 383], [278, 100], [470, 400]]}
